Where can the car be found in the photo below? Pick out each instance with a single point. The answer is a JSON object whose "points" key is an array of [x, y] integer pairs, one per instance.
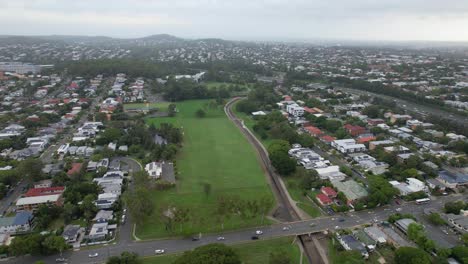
{"points": [[258, 232], [312, 224], [254, 237], [60, 259], [286, 228], [93, 255], [220, 238], [195, 238], [159, 251], [337, 227], [124, 210], [398, 209], [341, 220], [445, 231]]}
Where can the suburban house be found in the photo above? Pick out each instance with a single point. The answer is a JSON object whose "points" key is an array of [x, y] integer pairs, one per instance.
{"points": [[328, 191], [163, 169], [452, 180], [411, 185], [351, 189], [348, 146], [20, 223], [350, 243], [72, 233], [323, 199]]}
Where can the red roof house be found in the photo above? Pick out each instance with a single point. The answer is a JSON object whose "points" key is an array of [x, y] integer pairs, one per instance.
{"points": [[363, 140], [314, 131], [354, 130], [44, 191], [323, 199], [328, 191], [76, 168], [327, 138]]}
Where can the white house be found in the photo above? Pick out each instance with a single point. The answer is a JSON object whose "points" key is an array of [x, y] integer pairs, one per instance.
{"points": [[348, 146], [295, 110]]}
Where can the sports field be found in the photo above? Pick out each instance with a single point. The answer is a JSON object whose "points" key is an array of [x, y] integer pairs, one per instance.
{"points": [[214, 153]]}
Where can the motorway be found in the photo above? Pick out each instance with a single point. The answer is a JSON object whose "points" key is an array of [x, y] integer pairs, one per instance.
{"points": [[175, 245], [412, 107]]}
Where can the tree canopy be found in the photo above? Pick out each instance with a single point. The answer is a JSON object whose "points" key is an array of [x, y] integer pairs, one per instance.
{"points": [[210, 254]]}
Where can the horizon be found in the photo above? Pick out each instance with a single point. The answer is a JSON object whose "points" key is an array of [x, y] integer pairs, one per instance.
{"points": [[336, 20]]}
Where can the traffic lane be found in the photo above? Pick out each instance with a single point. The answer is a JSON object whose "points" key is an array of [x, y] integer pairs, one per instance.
{"points": [[410, 106]]}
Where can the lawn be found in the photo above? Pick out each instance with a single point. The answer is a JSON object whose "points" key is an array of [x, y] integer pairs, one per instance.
{"points": [[214, 152], [212, 85], [162, 106], [250, 253], [291, 183]]}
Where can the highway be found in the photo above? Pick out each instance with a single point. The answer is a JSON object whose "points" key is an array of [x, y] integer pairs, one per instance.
{"points": [[412, 107]]}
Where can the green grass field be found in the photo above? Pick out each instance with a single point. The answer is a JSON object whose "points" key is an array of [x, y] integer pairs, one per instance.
{"points": [[212, 85], [161, 106], [291, 183], [214, 152], [250, 253]]}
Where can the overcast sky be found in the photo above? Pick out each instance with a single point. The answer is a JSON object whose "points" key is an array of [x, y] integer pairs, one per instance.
{"points": [[442, 20]]}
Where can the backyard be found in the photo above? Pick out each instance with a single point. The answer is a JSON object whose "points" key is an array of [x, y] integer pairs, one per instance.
{"points": [[250, 253], [215, 160]]}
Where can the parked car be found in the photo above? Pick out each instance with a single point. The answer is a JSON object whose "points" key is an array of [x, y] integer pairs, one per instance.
{"points": [[159, 251], [258, 232], [93, 255]]}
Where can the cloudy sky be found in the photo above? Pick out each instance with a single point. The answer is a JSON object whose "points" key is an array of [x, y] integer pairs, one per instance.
{"points": [[441, 20]]}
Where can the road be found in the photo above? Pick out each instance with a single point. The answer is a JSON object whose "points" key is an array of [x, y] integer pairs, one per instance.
{"points": [[413, 107], [175, 245]]}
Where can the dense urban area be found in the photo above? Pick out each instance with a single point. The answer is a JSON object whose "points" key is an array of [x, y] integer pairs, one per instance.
{"points": [[170, 150]]}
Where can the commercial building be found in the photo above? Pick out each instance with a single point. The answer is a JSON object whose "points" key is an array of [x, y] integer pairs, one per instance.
{"points": [[32, 203]]}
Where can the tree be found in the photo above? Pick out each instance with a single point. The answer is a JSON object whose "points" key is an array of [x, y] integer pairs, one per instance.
{"points": [[279, 257], [436, 219], [454, 207], [53, 244], [282, 163], [411, 255], [31, 169], [88, 206], [125, 258], [200, 113], [140, 203], [460, 253], [210, 254]]}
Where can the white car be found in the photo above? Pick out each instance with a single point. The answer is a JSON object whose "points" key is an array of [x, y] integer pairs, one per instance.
{"points": [[398, 209], [286, 228], [337, 227], [93, 255], [258, 232], [159, 251], [220, 238]]}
